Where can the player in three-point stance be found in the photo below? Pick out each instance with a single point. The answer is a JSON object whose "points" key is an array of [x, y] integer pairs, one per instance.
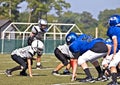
{"points": [[87, 49], [63, 54], [24, 56]]}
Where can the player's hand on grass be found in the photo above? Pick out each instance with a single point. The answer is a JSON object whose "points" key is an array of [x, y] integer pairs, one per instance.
{"points": [[73, 78], [30, 75]]}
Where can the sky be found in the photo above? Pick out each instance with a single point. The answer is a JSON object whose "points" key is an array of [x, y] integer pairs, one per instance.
{"points": [[92, 6]]}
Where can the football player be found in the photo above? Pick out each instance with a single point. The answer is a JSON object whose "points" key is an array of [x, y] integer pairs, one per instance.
{"points": [[37, 32], [113, 33], [23, 57], [87, 49], [107, 58], [63, 54]]}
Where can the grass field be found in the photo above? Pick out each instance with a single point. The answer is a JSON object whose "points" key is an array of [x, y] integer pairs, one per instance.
{"points": [[43, 76]]}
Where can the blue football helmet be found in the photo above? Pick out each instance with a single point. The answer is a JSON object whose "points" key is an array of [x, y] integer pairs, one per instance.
{"points": [[114, 20], [71, 37]]}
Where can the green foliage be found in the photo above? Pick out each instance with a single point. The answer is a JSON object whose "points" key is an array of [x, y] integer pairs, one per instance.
{"points": [[9, 9], [87, 20], [84, 20], [102, 31], [104, 15], [40, 8]]}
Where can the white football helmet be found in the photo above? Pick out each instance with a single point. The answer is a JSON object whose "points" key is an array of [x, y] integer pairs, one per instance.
{"points": [[43, 25], [37, 46], [42, 22]]}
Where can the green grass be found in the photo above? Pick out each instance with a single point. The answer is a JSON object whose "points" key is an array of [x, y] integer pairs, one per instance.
{"points": [[41, 77]]}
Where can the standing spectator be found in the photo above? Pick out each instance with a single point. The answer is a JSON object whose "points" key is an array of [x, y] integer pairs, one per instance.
{"points": [[37, 32], [23, 56]]}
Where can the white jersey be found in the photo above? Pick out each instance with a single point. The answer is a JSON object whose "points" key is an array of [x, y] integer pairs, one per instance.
{"points": [[25, 52], [38, 33], [36, 29], [65, 50]]}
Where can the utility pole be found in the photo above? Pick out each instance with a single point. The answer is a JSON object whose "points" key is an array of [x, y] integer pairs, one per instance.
{"points": [[96, 32], [10, 7]]}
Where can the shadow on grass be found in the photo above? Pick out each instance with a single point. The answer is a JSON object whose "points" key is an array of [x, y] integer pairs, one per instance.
{"points": [[43, 68], [34, 75], [80, 73]]}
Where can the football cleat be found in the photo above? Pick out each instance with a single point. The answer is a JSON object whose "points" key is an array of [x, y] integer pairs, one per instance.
{"points": [[102, 78], [66, 72], [118, 75], [112, 83], [39, 66], [87, 79], [8, 72], [23, 73], [55, 73]]}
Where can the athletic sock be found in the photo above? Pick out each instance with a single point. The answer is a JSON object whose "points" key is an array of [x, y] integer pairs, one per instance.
{"points": [[114, 77], [100, 72], [87, 72], [104, 71], [15, 68]]}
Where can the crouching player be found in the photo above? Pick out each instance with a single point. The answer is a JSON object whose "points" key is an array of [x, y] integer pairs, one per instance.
{"points": [[63, 54], [89, 50], [23, 56]]}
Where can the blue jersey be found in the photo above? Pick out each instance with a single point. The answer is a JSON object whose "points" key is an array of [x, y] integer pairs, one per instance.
{"points": [[85, 37], [114, 31], [82, 46]]}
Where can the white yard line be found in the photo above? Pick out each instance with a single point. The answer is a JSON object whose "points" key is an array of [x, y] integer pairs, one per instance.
{"points": [[2, 71]]}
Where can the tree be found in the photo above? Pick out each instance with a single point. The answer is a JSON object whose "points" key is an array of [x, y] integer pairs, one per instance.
{"points": [[9, 9], [87, 20], [42, 7]]}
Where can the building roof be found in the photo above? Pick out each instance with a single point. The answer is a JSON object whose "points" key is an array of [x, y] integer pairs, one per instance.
{"points": [[3, 22]]}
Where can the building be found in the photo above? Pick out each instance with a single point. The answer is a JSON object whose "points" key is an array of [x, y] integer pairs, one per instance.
{"points": [[4, 25]]}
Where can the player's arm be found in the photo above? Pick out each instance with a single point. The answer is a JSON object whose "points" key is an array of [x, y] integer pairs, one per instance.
{"points": [[114, 38], [73, 63], [109, 49], [29, 67]]}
